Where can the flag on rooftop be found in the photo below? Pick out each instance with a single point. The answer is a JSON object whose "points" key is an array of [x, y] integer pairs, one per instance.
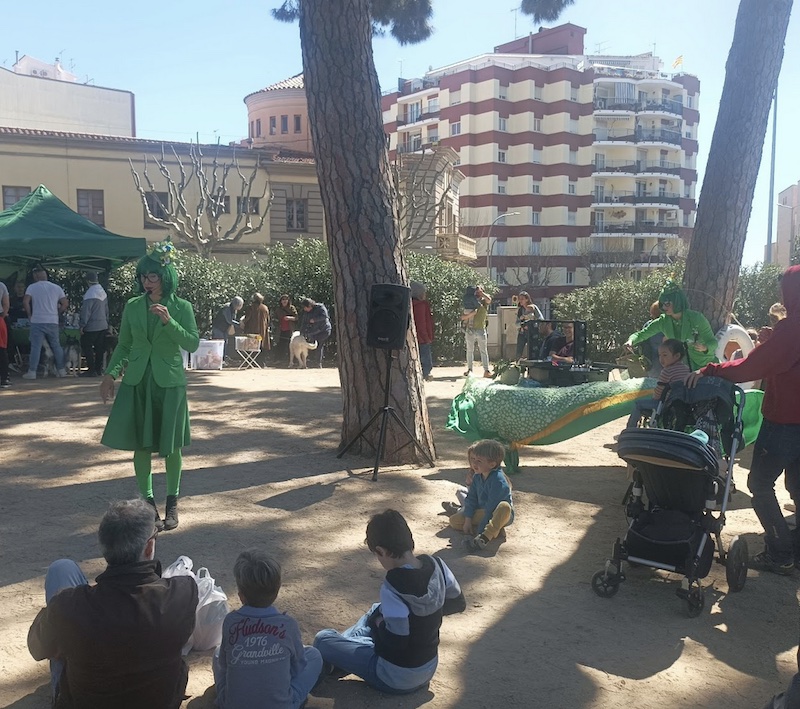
{"points": [[678, 62]]}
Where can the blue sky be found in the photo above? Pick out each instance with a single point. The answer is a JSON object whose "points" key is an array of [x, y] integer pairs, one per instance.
{"points": [[190, 64]]}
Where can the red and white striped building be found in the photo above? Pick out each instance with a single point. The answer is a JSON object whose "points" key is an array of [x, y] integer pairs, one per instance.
{"points": [[592, 159]]}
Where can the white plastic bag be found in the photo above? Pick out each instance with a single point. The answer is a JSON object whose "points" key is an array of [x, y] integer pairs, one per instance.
{"points": [[212, 607]]}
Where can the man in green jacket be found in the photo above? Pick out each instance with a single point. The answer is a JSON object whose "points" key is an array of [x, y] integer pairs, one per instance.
{"points": [[679, 323]]}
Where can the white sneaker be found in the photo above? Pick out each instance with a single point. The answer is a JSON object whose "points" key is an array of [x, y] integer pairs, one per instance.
{"points": [[61, 373], [29, 375]]}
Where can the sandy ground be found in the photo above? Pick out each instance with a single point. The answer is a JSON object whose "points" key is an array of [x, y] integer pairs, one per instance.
{"points": [[262, 470]]}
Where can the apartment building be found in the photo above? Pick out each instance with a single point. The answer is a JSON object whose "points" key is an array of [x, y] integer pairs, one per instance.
{"points": [[787, 240], [575, 166]]}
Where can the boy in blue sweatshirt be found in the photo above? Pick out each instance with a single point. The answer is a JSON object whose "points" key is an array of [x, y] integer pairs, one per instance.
{"points": [[262, 661], [488, 508], [394, 646]]}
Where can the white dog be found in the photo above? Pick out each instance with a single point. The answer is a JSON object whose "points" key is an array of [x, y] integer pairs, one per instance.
{"points": [[72, 358], [299, 348]]}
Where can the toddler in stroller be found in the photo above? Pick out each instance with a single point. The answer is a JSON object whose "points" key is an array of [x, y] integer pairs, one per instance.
{"points": [[682, 479]]}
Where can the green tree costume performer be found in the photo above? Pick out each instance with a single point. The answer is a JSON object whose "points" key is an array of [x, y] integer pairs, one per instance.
{"points": [[679, 323], [150, 413]]}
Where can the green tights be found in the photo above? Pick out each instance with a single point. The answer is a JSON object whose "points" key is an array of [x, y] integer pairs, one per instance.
{"points": [[144, 476]]}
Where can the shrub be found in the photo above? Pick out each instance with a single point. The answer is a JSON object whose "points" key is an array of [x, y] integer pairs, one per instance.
{"points": [[759, 287]]}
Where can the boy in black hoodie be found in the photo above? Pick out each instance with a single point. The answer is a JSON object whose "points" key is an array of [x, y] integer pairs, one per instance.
{"points": [[394, 646]]}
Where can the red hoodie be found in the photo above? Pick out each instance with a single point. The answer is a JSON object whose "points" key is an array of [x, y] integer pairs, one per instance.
{"points": [[776, 361], [423, 319]]}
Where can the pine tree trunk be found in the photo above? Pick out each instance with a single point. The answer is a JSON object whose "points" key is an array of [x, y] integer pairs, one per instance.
{"points": [[361, 219], [751, 77]]}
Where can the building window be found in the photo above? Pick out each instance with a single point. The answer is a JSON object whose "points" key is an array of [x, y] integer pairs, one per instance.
{"points": [[157, 205], [572, 217], [536, 188], [573, 125], [570, 277], [258, 127], [572, 187], [455, 98], [537, 125], [273, 125], [252, 129], [573, 157], [433, 105], [537, 93], [537, 156], [90, 205], [501, 156], [298, 125], [296, 211], [502, 124], [536, 218], [247, 205], [573, 93], [501, 188], [224, 205], [284, 124], [535, 247], [690, 101], [455, 128], [12, 195]]}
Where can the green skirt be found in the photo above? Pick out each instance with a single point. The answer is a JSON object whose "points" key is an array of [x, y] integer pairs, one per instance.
{"points": [[148, 417]]}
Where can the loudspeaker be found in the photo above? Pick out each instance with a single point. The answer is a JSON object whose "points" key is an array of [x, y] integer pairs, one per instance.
{"points": [[389, 316]]}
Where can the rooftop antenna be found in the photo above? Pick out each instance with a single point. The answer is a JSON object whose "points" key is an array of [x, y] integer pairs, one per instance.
{"points": [[400, 62], [515, 10], [601, 47], [59, 55]]}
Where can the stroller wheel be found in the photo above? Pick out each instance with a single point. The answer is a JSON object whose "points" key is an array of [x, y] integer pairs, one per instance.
{"points": [[695, 602], [605, 585], [736, 565]]}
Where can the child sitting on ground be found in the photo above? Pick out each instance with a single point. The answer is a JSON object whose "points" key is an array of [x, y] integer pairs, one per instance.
{"points": [[394, 647], [671, 354], [488, 507], [262, 660]]}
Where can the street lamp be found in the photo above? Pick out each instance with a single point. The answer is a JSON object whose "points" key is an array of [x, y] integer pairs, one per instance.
{"points": [[489, 240]]}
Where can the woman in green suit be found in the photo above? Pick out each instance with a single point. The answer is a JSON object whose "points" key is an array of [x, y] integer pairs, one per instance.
{"points": [[150, 413]]}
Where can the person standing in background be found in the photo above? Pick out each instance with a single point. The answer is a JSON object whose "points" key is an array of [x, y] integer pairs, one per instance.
{"points": [[423, 321], [286, 315], [94, 326], [315, 325], [256, 321], [44, 303], [4, 305]]}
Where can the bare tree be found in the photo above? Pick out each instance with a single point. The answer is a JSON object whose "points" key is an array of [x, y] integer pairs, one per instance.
{"points": [[427, 193], [607, 258], [198, 198], [532, 271]]}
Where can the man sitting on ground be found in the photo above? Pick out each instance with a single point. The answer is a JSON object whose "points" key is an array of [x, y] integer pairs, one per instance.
{"points": [[117, 645]]}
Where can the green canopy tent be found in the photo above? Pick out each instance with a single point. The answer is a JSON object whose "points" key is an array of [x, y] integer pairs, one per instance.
{"points": [[40, 228]]}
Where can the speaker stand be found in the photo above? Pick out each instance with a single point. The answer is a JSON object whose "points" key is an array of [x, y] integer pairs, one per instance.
{"points": [[384, 414]]}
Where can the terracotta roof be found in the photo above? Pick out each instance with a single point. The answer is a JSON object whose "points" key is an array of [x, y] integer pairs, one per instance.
{"points": [[293, 82]]}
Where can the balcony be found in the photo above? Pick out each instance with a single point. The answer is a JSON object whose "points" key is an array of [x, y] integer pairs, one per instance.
{"points": [[624, 197], [636, 167], [417, 146], [639, 227], [662, 106], [615, 104], [411, 118], [637, 135], [456, 247]]}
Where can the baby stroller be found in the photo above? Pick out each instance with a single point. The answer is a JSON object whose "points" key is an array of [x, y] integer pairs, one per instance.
{"points": [[676, 467]]}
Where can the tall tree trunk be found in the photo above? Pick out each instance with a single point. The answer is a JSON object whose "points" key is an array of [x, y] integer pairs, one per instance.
{"points": [[361, 218], [751, 77]]}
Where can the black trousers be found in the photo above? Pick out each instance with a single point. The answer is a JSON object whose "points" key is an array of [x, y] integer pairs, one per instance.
{"points": [[93, 345]]}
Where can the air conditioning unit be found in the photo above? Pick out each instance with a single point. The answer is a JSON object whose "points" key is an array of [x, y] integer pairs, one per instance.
{"points": [[672, 214]]}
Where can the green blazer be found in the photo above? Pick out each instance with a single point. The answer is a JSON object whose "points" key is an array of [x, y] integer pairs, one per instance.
{"points": [[134, 350]]}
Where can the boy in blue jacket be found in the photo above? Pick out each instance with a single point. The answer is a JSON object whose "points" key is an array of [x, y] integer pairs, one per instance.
{"points": [[488, 508]]}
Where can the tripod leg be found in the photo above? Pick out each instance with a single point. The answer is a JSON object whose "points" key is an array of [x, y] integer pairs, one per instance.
{"points": [[359, 434], [381, 441], [413, 440]]}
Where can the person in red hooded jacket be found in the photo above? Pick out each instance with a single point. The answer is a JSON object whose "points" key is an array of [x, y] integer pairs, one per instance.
{"points": [[423, 320], [777, 448]]}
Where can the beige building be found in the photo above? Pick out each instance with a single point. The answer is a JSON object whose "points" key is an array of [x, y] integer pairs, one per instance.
{"points": [[92, 174], [573, 164], [787, 240], [43, 96]]}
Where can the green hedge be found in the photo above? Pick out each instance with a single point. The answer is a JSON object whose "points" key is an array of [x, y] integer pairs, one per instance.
{"points": [[301, 270]]}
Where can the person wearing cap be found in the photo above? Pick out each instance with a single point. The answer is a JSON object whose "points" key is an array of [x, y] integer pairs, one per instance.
{"points": [[150, 413], [44, 303], [94, 325], [677, 322]]}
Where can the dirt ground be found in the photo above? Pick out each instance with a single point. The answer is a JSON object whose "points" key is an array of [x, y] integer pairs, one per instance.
{"points": [[262, 470]]}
